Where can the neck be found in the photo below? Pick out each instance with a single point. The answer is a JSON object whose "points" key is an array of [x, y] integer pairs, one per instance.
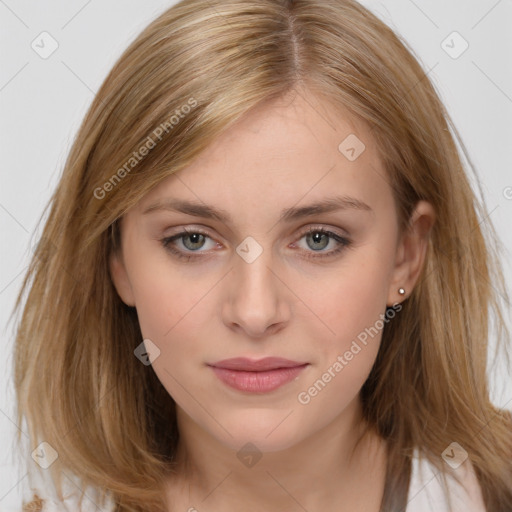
{"points": [[341, 460]]}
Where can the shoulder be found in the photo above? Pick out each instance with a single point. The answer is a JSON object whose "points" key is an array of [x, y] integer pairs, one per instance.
{"points": [[429, 491], [41, 496]]}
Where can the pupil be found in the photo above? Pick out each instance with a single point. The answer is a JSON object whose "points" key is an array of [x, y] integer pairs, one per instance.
{"points": [[193, 239], [317, 237]]}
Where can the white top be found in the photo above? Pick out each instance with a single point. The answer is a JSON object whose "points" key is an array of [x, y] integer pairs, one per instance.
{"points": [[426, 492]]}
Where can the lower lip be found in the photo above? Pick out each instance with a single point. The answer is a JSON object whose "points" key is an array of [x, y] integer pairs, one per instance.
{"points": [[257, 382]]}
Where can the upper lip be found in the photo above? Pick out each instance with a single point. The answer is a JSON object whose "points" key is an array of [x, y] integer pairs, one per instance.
{"points": [[265, 364]]}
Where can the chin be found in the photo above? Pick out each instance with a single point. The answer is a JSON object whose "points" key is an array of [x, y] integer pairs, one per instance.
{"points": [[269, 430]]}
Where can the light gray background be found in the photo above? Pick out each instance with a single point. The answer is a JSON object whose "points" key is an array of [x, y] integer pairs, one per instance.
{"points": [[42, 102]]}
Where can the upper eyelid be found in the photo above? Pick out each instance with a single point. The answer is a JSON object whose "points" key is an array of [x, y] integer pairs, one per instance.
{"points": [[342, 241], [183, 231], [310, 227]]}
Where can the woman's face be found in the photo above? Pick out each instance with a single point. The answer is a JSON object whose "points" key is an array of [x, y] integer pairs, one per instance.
{"points": [[250, 282]]}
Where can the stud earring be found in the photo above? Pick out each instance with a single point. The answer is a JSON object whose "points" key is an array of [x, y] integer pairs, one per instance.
{"points": [[401, 291]]}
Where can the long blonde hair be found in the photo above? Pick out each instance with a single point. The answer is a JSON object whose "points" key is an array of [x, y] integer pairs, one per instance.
{"points": [[190, 75]]}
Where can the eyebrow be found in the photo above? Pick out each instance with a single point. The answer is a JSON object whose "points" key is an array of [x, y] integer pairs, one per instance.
{"points": [[196, 209]]}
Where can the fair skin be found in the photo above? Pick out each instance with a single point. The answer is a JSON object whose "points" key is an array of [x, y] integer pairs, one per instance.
{"points": [[217, 305]]}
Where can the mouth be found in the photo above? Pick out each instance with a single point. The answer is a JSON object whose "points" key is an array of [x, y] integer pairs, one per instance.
{"points": [[257, 376]]}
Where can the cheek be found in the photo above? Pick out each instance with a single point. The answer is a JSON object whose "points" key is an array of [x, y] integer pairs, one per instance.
{"points": [[167, 308], [164, 303], [355, 299], [354, 310]]}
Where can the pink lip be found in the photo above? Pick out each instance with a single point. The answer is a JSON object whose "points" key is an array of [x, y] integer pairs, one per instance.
{"points": [[257, 376]]}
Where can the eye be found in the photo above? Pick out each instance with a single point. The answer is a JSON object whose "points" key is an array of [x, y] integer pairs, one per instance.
{"points": [[192, 240], [318, 238]]}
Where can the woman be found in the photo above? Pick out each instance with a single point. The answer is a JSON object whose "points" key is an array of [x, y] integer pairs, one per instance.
{"points": [[263, 282]]}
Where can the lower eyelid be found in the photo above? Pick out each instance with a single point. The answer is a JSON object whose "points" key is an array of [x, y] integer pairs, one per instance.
{"points": [[169, 242], [342, 243]]}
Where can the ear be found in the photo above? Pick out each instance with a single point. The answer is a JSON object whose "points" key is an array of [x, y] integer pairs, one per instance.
{"points": [[410, 252], [120, 278]]}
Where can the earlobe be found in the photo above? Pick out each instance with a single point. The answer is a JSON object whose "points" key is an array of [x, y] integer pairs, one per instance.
{"points": [[120, 279], [411, 252]]}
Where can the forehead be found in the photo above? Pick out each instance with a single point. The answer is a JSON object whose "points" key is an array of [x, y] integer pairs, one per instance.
{"points": [[292, 150]]}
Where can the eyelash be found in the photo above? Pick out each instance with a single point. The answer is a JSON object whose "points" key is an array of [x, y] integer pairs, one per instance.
{"points": [[341, 240]]}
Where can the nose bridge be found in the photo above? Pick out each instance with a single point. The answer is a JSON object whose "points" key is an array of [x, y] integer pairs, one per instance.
{"points": [[253, 267], [255, 301]]}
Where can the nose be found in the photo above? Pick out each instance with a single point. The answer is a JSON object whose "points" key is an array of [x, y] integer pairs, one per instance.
{"points": [[256, 298]]}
